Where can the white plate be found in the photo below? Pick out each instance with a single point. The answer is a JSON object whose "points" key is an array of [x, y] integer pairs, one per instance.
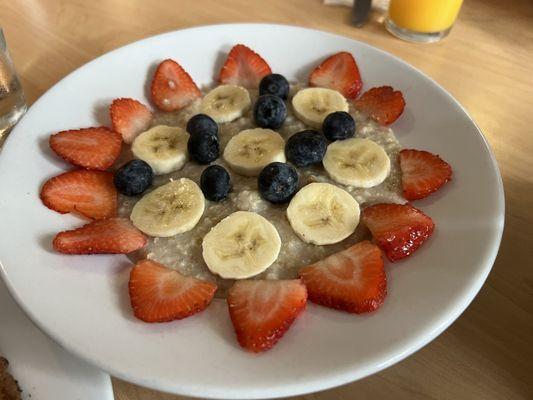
{"points": [[82, 302], [43, 370]]}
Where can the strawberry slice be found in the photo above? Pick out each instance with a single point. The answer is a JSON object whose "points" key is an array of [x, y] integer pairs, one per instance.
{"points": [[399, 229], [160, 294], [172, 87], [352, 280], [112, 236], [92, 148], [338, 72], [129, 118], [383, 104], [422, 173], [244, 67], [91, 193], [263, 310]]}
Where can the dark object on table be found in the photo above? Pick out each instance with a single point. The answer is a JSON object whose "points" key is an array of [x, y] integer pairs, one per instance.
{"points": [[9, 388], [360, 12]]}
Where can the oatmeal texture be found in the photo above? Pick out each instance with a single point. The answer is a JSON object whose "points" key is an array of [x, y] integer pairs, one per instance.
{"points": [[184, 251]]}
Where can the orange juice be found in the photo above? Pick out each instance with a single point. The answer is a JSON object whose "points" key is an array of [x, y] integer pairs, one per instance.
{"points": [[424, 15]]}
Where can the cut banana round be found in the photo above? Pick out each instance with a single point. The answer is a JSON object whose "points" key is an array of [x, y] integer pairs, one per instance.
{"points": [[226, 103], [173, 208], [357, 162], [163, 147], [242, 245], [322, 213], [249, 151], [312, 105]]}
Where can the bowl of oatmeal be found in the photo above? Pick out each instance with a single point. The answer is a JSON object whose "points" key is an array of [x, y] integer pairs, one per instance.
{"points": [[184, 252], [86, 306]]}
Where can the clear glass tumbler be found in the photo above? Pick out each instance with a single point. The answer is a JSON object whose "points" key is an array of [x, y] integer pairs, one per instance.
{"points": [[12, 101], [422, 20]]}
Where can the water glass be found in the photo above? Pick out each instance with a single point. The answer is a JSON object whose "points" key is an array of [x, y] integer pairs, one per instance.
{"points": [[12, 101]]}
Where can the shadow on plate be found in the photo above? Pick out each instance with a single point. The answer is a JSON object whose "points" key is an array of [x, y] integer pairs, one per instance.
{"points": [[101, 112]]}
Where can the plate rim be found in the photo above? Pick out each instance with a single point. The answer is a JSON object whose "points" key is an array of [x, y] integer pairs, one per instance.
{"points": [[415, 343]]}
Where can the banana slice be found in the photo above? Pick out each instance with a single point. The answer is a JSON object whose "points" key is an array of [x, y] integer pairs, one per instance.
{"points": [[242, 245], [249, 151], [226, 103], [322, 213], [312, 105], [357, 162], [173, 208], [163, 147]]}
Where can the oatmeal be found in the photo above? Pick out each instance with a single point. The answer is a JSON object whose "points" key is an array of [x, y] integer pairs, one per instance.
{"points": [[184, 251]]}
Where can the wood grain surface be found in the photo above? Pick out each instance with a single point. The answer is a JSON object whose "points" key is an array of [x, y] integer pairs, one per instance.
{"points": [[486, 63]]}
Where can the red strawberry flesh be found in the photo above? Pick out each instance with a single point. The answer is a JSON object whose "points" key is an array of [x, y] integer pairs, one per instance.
{"points": [[92, 148], [263, 310], [383, 104], [422, 173], [352, 280], [91, 193], [160, 294], [129, 117], [398, 229], [338, 72], [172, 87], [244, 67], [107, 236]]}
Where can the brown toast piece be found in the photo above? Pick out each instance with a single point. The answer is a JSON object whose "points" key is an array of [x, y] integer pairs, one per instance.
{"points": [[9, 388]]}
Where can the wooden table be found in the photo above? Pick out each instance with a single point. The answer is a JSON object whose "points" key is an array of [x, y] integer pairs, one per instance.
{"points": [[486, 63]]}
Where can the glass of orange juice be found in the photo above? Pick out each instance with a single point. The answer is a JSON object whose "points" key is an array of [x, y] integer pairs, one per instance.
{"points": [[422, 20]]}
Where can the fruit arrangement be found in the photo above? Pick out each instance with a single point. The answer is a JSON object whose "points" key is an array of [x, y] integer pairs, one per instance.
{"points": [[241, 246]]}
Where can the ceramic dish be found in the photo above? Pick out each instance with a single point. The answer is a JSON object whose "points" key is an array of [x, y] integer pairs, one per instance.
{"points": [[82, 302], [43, 370]]}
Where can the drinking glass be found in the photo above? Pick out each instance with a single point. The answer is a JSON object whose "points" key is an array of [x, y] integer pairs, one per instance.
{"points": [[422, 20], [12, 101]]}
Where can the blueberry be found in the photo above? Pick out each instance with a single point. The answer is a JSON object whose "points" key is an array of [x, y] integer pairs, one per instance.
{"points": [[202, 124], [306, 148], [203, 148], [274, 84], [133, 178], [215, 183], [278, 182], [270, 111], [338, 125]]}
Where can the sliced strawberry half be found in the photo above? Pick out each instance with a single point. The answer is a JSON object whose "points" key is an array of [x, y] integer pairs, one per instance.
{"points": [[338, 72], [263, 310], [352, 280], [399, 229], [92, 148], [172, 87], [111, 236], [91, 193], [160, 294], [422, 173], [129, 117], [383, 104], [244, 67]]}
